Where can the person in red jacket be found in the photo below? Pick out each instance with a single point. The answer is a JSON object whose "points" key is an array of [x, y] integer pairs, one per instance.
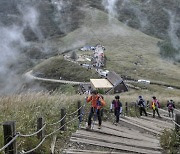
{"points": [[155, 105], [97, 102]]}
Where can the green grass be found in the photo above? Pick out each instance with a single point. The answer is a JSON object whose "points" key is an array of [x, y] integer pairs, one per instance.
{"points": [[57, 67], [129, 52], [170, 141], [26, 108]]}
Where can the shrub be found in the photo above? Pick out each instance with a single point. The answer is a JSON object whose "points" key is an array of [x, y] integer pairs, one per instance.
{"points": [[167, 50], [170, 141]]}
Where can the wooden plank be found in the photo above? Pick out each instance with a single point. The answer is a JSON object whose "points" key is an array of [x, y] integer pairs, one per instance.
{"points": [[118, 140], [76, 151], [53, 143], [138, 137], [115, 146], [142, 127], [130, 131], [161, 122], [145, 123], [149, 124]]}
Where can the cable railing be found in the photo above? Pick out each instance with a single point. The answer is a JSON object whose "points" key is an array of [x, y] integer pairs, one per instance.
{"points": [[18, 134]]}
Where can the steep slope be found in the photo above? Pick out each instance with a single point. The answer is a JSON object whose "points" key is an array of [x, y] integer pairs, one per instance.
{"points": [[129, 52]]}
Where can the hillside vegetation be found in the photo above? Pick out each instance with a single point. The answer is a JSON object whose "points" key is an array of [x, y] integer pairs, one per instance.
{"points": [[57, 67], [129, 52]]}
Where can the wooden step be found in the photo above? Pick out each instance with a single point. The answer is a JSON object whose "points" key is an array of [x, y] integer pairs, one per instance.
{"points": [[118, 140], [114, 146], [76, 151], [141, 127]]}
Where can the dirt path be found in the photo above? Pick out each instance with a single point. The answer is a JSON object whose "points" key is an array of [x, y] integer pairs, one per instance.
{"points": [[30, 75], [132, 135]]}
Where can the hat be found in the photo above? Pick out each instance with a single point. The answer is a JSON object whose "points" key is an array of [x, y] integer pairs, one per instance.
{"points": [[154, 97], [140, 96]]}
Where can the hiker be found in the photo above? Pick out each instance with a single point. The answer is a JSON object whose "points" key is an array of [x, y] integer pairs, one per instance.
{"points": [[155, 105], [117, 105], [142, 107], [170, 106], [88, 91], [97, 102]]}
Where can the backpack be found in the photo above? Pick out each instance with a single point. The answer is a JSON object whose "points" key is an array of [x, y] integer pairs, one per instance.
{"points": [[141, 103], [98, 102], [170, 106]]}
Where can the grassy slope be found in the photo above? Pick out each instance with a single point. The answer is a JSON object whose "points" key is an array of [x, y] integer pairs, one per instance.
{"points": [[26, 108], [58, 67], [129, 51]]}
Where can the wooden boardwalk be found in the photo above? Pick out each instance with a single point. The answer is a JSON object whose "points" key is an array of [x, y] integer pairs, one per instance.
{"points": [[132, 135]]}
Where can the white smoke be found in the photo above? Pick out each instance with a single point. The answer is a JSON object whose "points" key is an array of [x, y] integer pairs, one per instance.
{"points": [[12, 44], [173, 28], [31, 19], [142, 18], [110, 6], [61, 16]]}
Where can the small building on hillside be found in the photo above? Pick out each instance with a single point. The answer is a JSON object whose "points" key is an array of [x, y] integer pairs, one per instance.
{"points": [[117, 82], [112, 84], [98, 57]]}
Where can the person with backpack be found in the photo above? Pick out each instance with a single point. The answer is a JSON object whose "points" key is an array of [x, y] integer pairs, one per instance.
{"points": [[155, 105], [97, 102], [117, 105], [142, 107], [171, 106]]}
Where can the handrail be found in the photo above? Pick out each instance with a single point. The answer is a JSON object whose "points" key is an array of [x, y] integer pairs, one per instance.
{"points": [[75, 111], [18, 134], [35, 133], [57, 121], [25, 152], [13, 139]]}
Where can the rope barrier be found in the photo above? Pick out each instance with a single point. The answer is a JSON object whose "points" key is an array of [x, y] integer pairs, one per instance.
{"points": [[74, 111], [35, 133], [57, 121], [13, 139], [25, 152]]}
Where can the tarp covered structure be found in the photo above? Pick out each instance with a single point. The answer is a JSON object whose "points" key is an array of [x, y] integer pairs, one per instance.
{"points": [[100, 84]]}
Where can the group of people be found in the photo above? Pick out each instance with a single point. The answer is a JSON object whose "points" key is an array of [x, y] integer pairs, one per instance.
{"points": [[98, 102]]}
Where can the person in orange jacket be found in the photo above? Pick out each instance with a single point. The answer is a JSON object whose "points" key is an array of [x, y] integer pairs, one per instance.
{"points": [[97, 102]]}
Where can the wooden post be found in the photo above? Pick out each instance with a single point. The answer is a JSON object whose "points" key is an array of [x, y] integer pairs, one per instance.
{"points": [[79, 111], [9, 132], [147, 105], [126, 108], [40, 123], [177, 120], [135, 108], [63, 113]]}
